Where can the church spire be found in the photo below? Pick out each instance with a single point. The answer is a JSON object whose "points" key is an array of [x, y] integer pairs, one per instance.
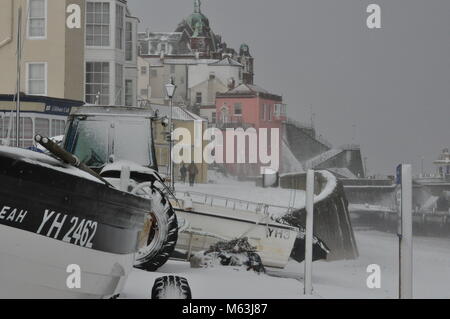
{"points": [[197, 5]]}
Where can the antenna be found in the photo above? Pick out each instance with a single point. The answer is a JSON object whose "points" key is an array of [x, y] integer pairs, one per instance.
{"points": [[353, 133], [313, 117]]}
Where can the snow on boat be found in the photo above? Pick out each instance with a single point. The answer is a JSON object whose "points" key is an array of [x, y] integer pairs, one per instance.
{"points": [[209, 219], [54, 216]]}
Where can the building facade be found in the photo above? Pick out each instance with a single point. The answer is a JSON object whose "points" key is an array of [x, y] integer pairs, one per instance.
{"points": [[182, 119], [250, 107], [52, 54], [200, 63], [111, 75], [52, 73]]}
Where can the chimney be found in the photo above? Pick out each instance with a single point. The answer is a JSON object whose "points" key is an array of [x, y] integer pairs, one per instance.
{"points": [[231, 83]]}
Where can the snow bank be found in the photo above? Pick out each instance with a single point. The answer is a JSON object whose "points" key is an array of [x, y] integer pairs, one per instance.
{"points": [[340, 279]]}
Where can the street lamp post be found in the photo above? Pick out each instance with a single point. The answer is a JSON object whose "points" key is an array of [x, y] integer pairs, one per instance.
{"points": [[170, 91]]}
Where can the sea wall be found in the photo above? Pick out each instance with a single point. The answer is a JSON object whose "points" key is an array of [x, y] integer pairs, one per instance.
{"points": [[331, 215]]}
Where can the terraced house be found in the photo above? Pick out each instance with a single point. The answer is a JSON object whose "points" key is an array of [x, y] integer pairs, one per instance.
{"points": [[73, 51]]}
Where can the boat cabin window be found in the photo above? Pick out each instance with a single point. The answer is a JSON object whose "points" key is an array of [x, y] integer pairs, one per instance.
{"points": [[91, 143], [132, 141]]}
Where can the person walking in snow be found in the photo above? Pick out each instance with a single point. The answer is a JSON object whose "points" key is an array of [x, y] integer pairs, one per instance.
{"points": [[193, 171], [183, 172]]}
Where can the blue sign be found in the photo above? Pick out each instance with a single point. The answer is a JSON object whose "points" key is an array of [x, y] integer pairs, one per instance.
{"points": [[60, 110], [399, 175]]}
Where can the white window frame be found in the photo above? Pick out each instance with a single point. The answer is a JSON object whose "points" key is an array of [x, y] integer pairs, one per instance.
{"points": [[110, 28], [30, 37], [110, 74], [27, 84], [263, 116], [119, 38], [119, 89], [127, 42], [132, 91], [238, 105]]}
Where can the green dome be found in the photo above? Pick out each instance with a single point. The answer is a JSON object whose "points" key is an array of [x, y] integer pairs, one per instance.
{"points": [[197, 17]]}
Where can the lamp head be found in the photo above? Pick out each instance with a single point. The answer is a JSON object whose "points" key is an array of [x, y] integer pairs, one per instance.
{"points": [[170, 88]]}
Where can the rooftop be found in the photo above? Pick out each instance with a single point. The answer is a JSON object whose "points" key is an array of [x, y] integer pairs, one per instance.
{"points": [[250, 90], [179, 113]]}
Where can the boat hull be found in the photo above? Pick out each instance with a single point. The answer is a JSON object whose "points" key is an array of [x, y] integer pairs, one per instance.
{"points": [[39, 267], [52, 217]]}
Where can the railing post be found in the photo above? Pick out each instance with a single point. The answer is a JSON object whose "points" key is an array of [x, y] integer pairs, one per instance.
{"points": [[404, 178], [309, 232]]}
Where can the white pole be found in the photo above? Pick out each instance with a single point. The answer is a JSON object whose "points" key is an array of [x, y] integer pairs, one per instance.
{"points": [[405, 236], [19, 58], [309, 231], [124, 178], [171, 167]]}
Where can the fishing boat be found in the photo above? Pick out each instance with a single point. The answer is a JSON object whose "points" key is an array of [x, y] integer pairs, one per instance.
{"points": [[57, 220], [206, 219]]}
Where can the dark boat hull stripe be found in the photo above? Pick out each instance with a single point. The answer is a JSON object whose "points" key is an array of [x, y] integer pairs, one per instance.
{"points": [[68, 208]]}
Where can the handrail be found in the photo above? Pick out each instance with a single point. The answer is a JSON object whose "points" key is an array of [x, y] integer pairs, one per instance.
{"points": [[236, 204]]}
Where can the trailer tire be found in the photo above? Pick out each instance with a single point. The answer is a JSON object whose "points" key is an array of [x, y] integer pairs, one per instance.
{"points": [[163, 238], [171, 287]]}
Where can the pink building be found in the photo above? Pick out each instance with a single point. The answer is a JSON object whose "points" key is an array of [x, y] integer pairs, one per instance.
{"points": [[249, 106]]}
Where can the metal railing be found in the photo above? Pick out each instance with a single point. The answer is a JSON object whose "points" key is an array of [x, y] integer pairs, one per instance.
{"points": [[235, 204]]}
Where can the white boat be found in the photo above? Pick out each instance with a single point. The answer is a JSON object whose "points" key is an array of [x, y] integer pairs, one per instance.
{"points": [[37, 267], [206, 219]]}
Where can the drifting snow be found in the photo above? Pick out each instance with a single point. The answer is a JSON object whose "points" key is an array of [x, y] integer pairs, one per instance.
{"points": [[247, 191], [341, 279]]}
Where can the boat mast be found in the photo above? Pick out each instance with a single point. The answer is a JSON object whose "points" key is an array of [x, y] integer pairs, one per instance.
{"points": [[19, 58]]}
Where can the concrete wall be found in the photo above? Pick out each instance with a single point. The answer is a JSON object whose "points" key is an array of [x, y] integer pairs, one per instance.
{"points": [[302, 143], [208, 88], [350, 159], [74, 65], [332, 222], [200, 72]]}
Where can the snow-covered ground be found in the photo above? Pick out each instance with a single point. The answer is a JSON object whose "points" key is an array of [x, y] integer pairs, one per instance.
{"points": [[341, 279]]}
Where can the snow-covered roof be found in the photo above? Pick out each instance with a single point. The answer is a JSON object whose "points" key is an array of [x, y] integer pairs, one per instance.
{"points": [[227, 61], [247, 88], [179, 113]]}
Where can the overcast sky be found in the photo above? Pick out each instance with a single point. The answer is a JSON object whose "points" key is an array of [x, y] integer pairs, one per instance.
{"points": [[393, 83]]}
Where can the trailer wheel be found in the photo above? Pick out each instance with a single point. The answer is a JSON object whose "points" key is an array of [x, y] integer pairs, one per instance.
{"points": [[163, 235], [171, 287]]}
